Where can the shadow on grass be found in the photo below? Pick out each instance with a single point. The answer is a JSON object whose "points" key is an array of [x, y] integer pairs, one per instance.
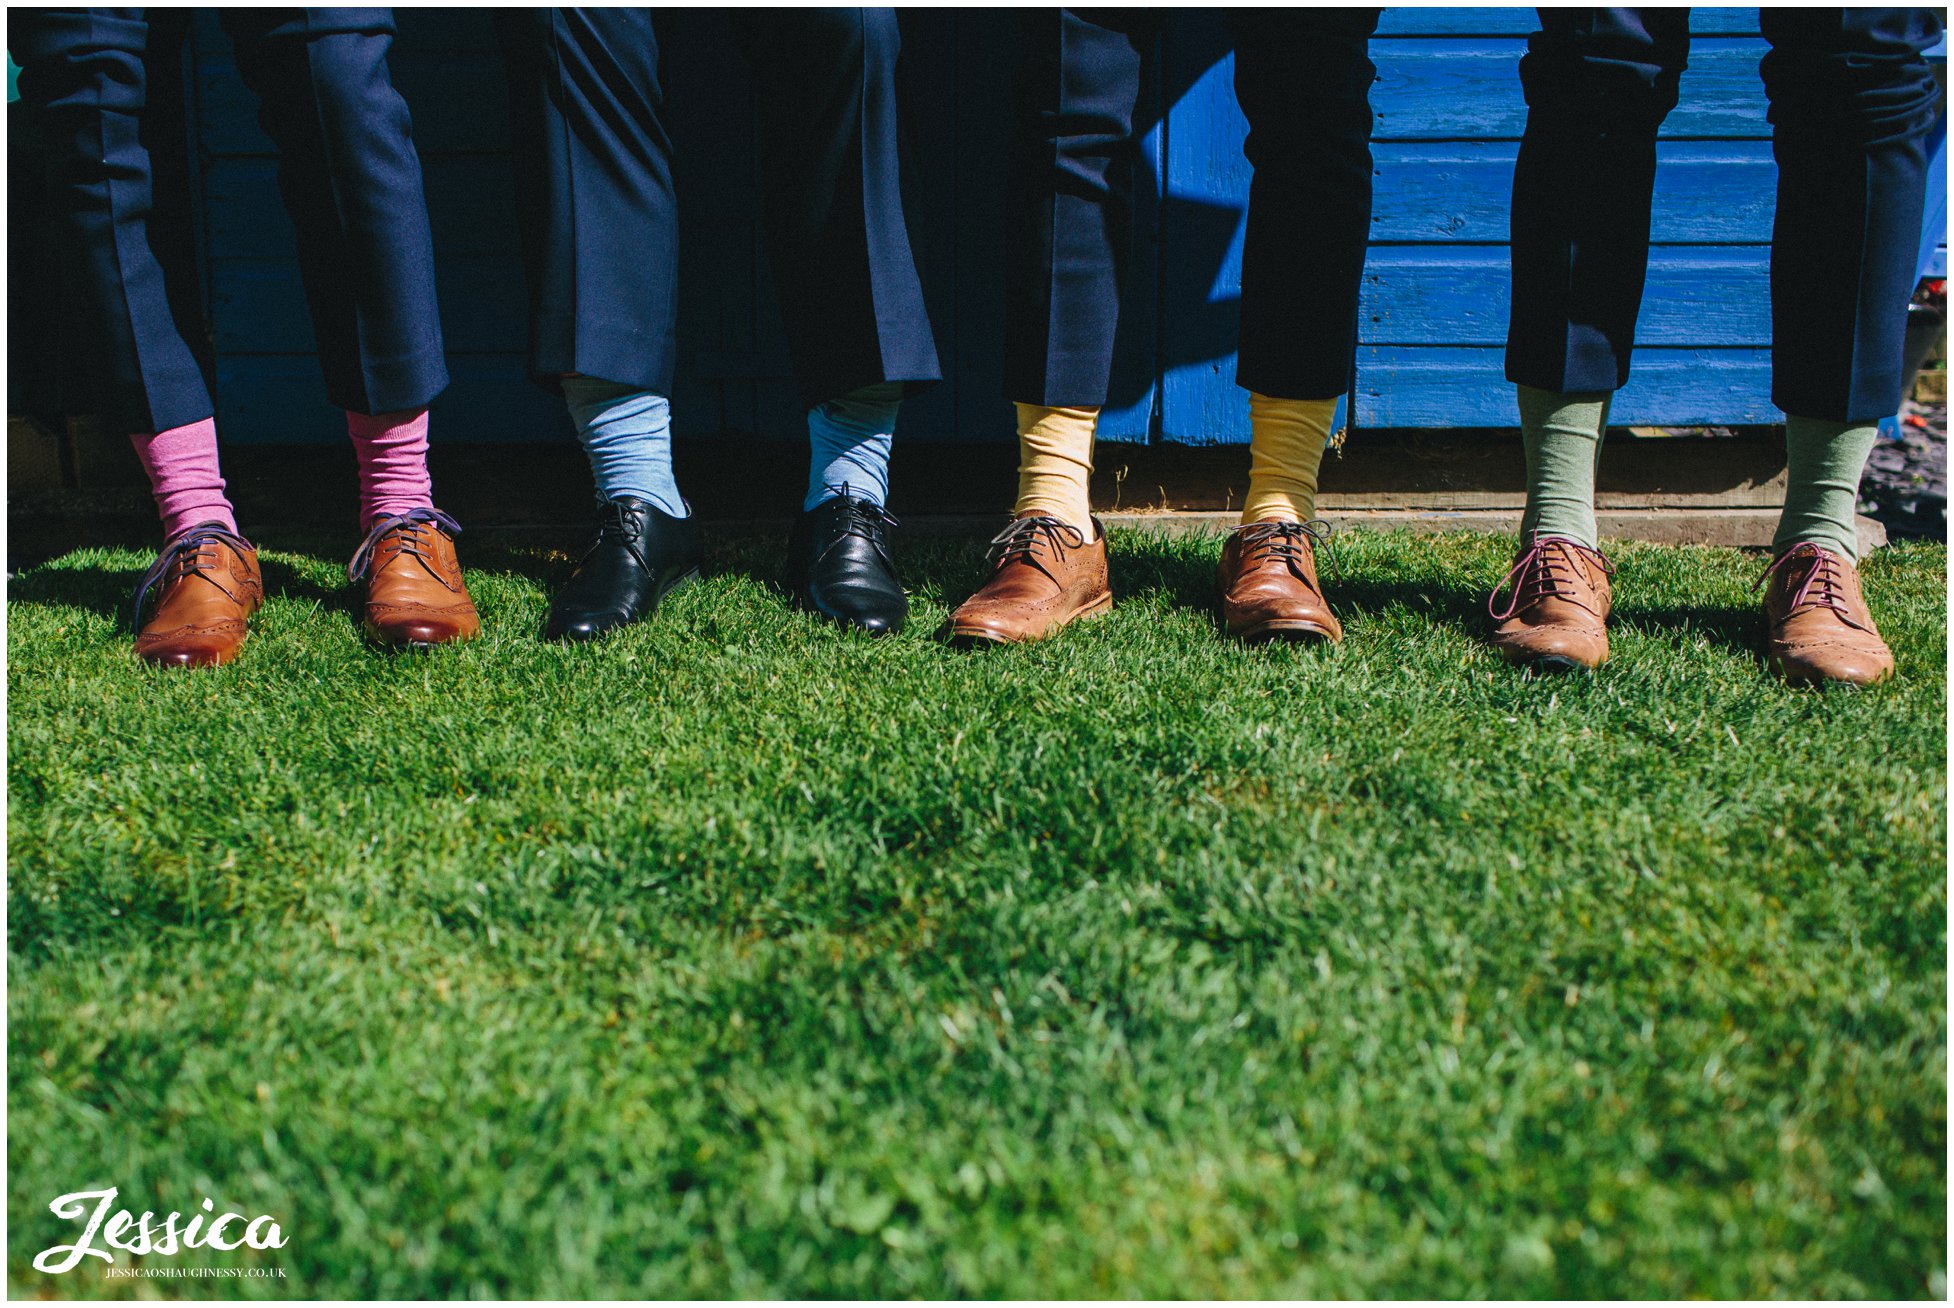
{"points": [[109, 592], [1734, 628], [104, 591], [760, 560], [1176, 570], [1184, 574], [1179, 571], [548, 565], [1442, 601]]}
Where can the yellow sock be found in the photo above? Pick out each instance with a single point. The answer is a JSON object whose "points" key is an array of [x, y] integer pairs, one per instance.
{"points": [[1055, 462], [1284, 455]]}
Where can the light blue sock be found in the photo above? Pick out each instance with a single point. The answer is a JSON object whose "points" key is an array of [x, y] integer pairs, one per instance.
{"points": [[848, 442], [627, 432]]}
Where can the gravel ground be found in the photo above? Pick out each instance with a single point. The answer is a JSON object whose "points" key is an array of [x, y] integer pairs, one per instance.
{"points": [[1905, 485]]}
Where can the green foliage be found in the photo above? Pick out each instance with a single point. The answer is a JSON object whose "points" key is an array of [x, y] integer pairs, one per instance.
{"points": [[735, 956]]}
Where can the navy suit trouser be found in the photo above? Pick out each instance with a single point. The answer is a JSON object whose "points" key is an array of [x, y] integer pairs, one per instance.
{"points": [[599, 213], [1302, 77], [347, 171], [1852, 101]]}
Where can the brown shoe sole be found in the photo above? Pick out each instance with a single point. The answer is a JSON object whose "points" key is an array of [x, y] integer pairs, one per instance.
{"points": [[1520, 657], [1555, 663], [1295, 631], [376, 637], [1799, 680], [975, 638], [182, 659]]}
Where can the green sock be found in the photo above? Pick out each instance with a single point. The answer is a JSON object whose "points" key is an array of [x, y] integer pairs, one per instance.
{"points": [[1821, 501], [1563, 439]]}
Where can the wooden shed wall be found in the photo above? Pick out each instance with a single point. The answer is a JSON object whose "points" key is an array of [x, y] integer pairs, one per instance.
{"points": [[1450, 113]]}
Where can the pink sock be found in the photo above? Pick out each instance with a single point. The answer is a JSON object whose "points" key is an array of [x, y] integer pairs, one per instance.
{"points": [[184, 476], [392, 450]]}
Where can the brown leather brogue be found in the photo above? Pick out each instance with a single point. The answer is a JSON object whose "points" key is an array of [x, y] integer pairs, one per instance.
{"points": [[414, 592], [1046, 574], [207, 587], [1819, 629], [1268, 584], [1556, 618]]}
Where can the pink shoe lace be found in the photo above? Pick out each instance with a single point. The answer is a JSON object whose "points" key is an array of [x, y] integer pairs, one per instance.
{"points": [[1823, 587], [1545, 570]]}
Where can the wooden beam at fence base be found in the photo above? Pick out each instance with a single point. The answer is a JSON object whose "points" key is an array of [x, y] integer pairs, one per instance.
{"points": [[542, 481], [1454, 470], [1742, 527], [1425, 475]]}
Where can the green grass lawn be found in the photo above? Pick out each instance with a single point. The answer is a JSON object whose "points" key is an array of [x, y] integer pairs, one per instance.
{"points": [[738, 957]]}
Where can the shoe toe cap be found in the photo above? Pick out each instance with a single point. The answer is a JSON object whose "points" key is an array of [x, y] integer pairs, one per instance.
{"points": [[190, 648], [576, 628], [979, 627], [184, 655], [422, 630], [1832, 665], [863, 608], [1553, 646]]}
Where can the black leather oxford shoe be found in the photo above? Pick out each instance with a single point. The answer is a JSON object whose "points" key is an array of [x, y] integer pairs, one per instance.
{"points": [[641, 555], [838, 566]]}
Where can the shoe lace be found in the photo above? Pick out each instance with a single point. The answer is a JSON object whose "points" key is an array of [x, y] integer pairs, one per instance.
{"points": [[621, 524], [413, 527], [194, 552], [1823, 586], [1545, 570], [1024, 539], [864, 520], [1291, 542]]}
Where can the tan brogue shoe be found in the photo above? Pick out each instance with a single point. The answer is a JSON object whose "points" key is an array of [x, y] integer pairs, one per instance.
{"points": [[1046, 574], [1556, 618], [1819, 629], [207, 587], [1268, 583], [414, 592]]}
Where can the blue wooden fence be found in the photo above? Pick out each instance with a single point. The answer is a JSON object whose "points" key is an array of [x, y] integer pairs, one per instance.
{"points": [[1450, 114]]}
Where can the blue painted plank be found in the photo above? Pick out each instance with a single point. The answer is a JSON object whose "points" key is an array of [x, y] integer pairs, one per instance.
{"points": [[721, 357], [1706, 192], [1469, 89], [1435, 292], [1450, 193], [206, 36], [1426, 386], [930, 195], [470, 203], [986, 43], [1933, 219], [1131, 411], [441, 30], [1460, 295], [1448, 20], [438, 29], [1203, 211], [457, 101], [280, 399], [258, 306]]}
